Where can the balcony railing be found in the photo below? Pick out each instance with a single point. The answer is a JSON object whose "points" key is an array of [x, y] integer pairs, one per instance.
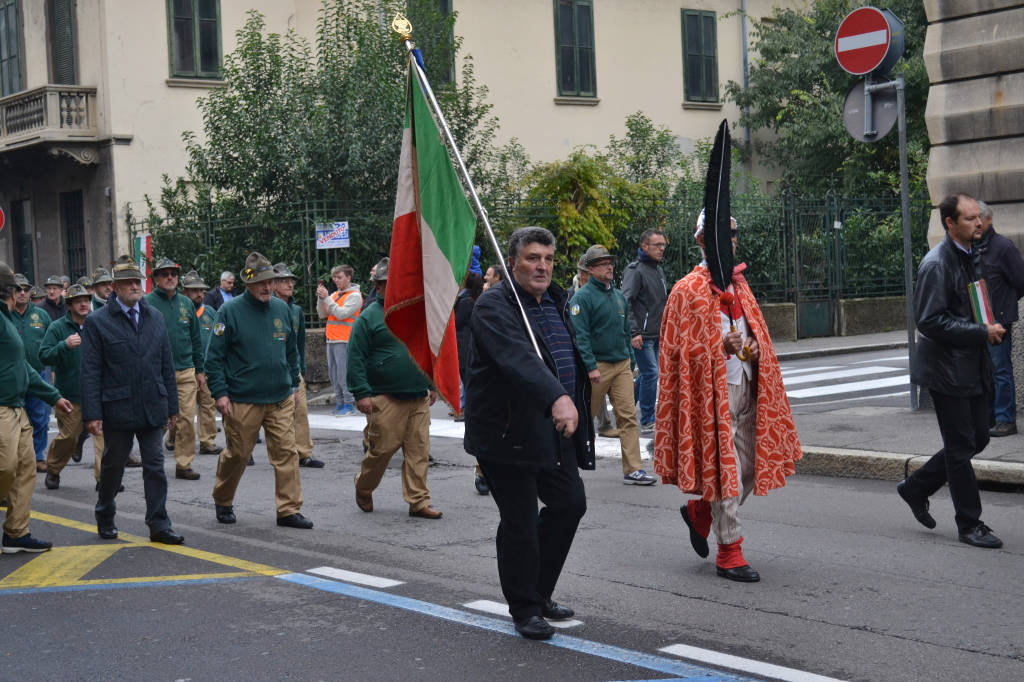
{"points": [[49, 113]]}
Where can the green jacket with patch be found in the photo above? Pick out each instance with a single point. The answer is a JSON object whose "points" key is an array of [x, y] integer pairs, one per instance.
{"points": [[600, 316], [253, 353], [378, 363], [182, 329], [31, 326], [17, 377], [66, 362]]}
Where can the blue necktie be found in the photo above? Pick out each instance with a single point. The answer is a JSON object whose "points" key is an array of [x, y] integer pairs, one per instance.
{"points": [[132, 313]]}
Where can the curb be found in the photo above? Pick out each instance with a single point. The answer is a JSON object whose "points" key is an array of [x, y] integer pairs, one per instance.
{"points": [[841, 350], [890, 466]]}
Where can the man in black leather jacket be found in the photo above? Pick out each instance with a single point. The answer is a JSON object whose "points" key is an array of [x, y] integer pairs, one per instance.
{"points": [[952, 362], [524, 426]]}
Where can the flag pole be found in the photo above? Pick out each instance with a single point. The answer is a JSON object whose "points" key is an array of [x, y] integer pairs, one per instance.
{"points": [[402, 26]]}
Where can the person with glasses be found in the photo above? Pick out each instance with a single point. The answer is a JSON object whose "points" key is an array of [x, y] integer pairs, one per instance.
{"points": [[187, 353], [600, 316], [643, 285]]}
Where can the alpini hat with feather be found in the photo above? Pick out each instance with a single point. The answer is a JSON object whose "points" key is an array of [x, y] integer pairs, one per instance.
{"points": [[125, 268], [257, 269], [165, 263], [192, 280]]}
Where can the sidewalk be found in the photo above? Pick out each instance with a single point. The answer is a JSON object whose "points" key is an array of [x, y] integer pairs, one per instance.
{"points": [[883, 442]]}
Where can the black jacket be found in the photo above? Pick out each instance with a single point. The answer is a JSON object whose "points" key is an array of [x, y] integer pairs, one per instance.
{"points": [[952, 356], [463, 314], [215, 298], [509, 390], [55, 311], [643, 285], [1004, 274], [127, 376]]}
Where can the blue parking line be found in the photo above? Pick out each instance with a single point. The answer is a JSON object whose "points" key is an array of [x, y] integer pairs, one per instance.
{"points": [[669, 666], [121, 586]]}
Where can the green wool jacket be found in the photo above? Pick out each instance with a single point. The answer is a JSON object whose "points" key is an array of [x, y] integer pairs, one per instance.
{"points": [[66, 362], [299, 325], [17, 377], [31, 326], [600, 316], [182, 329], [378, 362], [253, 355], [206, 316]]}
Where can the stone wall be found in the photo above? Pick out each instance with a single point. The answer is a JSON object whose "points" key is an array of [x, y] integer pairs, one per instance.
{"points": [[872, 315]]}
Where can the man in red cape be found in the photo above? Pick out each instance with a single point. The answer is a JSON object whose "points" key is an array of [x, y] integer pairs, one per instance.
{"points": [[724, 427]]}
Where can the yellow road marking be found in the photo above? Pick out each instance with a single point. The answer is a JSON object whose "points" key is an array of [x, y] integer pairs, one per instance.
{"points": [[59, 566]]}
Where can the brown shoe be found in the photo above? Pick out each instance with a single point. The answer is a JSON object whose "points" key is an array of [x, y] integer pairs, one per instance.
{"points": [[427, 512], [40, 467], [133, 461], [364, 501], [187, 474]]}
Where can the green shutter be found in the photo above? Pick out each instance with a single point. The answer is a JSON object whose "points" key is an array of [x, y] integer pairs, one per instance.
{"points": [[10, 48], [574, 48], [700, 56], [62, 41], [194, 38]]}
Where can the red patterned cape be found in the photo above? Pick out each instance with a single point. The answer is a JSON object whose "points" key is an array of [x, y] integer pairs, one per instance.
{"points": [[691, 353]]}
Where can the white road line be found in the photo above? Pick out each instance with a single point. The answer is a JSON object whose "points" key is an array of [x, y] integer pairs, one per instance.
{"points": [[745, 664], [889, 359], [840, 374], [850, 387], [353, 577], [850, 400], [805, 370], [501, 609]]}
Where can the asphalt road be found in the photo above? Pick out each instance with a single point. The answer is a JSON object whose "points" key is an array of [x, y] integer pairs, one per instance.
{"points": [[852, 587]]}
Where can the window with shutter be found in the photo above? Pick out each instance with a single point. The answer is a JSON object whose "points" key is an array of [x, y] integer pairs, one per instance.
{"points": [[10, 48], [700, 56], [62, 41], [574, 48], [193, 28]]}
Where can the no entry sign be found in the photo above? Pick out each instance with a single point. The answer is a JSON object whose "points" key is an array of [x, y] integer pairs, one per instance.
{"points": [[869, 39]]}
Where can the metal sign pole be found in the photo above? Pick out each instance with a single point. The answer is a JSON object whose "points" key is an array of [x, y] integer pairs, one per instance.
{"points": [[908, 256]]}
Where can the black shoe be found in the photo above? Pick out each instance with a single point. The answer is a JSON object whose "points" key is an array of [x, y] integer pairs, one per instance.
{"points": [[1003, 429], [76, 456], [225, 514], [917, 505], [552, 610], [215, 450], [697, 541], [981, 536], [481, 485], [133, 462], [294, 521], [741, 574], [534, 627], [107, 530], [250, 462], [120, 488], [169, 445], [188, 474], [311, 462], [52, 481], [167, 537]]}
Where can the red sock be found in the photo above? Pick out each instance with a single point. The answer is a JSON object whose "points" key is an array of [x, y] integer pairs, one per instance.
{"points": [[730, 556], [699, 512]]}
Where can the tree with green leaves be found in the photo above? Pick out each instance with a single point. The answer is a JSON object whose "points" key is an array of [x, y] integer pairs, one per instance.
{"points": [[796, 94]]}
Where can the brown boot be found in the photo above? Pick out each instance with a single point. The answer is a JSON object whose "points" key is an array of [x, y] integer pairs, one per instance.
{"points": [[188, 474]]}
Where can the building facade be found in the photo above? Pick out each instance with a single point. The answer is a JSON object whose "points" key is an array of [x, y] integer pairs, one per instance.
{"points": [[96, 94]]}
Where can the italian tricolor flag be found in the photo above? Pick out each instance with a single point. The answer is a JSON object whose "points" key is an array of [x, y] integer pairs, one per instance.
{"points": [[431, 242], [143, 248]]}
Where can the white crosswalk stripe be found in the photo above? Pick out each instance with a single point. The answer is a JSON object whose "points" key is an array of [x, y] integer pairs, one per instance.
{"points": [[821, 381]]}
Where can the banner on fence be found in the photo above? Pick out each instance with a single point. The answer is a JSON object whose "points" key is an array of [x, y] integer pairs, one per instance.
{"points": [[332, 235], [143, 255]]}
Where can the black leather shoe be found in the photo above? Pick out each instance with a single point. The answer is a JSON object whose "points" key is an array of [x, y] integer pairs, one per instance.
{"points": [[1003, 429], [918, 506], [981, 536], [741, 574], [52, 481], [169, 445], [225, 514], [250, 462], [133, 462], [697, 541], [107, 531], [481, 485], [534, 627], [167, 537], [294, 521], [120, 488], [552, 610], [215, 450], [312, 463]]}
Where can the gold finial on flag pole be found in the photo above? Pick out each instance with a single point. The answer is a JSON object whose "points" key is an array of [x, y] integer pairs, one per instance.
{"points": [[401, 26]]}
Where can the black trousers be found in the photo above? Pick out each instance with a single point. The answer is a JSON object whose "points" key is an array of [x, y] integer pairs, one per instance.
{"points": [[531, 545], [963, 423], [118, 445]]}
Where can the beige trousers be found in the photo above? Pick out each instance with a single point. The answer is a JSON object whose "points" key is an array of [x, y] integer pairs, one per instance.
{"points": [[206, 410], [617, 383], [185, 431], [241, 429], [743, 415], [391, 425], [63, 446], [303, 439], [17, 468]]}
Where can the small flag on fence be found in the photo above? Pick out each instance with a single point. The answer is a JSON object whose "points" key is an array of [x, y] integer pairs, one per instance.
{"points": [[981, 304], [431, 242], [144, 257]]}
